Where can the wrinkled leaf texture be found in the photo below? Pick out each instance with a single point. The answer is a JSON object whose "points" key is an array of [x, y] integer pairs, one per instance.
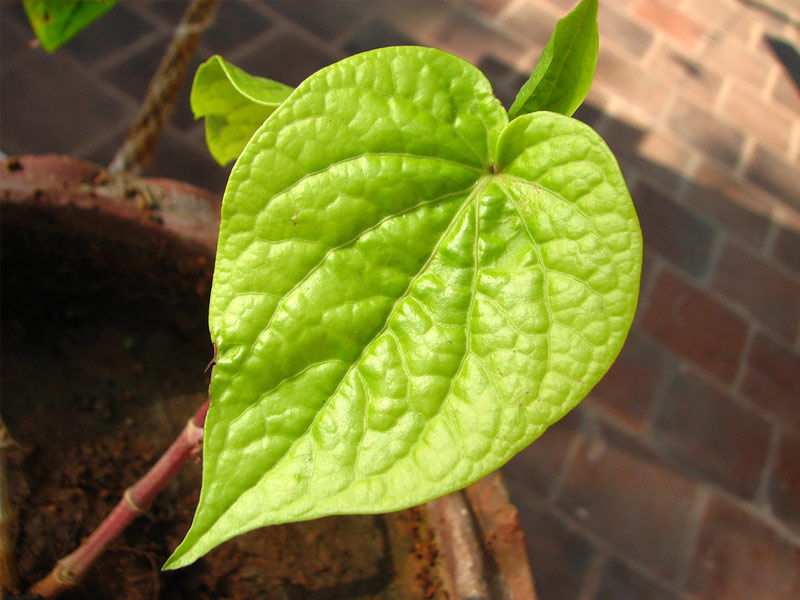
{"points": [[409, 289]]}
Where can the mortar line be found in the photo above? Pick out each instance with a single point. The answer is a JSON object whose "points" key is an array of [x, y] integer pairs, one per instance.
{"points": [[693, 528], [761, 498], [594, 575], [566, 463]]}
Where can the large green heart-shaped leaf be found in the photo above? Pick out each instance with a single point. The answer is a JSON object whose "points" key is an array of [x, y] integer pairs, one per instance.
{"points": [[234, 104], [408, 291], [55, 22]]}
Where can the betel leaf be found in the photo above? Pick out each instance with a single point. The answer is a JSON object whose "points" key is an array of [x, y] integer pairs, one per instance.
{"points": [[408, 291], [564, 73], [55, 22], [234, 104]]}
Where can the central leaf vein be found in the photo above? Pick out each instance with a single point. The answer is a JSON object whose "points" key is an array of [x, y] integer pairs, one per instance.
{"points": [[540, 259], [473, 200], [470, 200], [321, 262], [355, 157]]}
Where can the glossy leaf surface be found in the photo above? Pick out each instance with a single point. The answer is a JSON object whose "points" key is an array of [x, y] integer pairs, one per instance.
{"points": [[234, 104], [564, 73], [55, 22], [408, 291]]}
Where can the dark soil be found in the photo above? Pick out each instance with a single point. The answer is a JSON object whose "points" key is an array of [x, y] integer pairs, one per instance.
{"points": [[104, 352]]}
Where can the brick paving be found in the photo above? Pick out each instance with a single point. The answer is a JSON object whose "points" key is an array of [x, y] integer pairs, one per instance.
{"points": [[680, 476]]}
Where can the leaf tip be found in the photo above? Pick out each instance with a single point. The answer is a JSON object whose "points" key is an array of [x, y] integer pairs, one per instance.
{"points": [[181, 557]]}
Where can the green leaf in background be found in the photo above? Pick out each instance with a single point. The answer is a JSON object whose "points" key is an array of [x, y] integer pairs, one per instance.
{"points": [[565, 70], [408, 291], [234, 104], [55, 22]]}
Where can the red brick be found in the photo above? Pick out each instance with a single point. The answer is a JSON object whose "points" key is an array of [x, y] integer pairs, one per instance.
{"points": [[626, 391], [690, 75], [560, 557], [772, 380], [377, 35], [695, 326], [738, 207], [415, 19], [784, 483], [234, 23], [669, 20], [775, 175], [490, 7], [786, 93], [728, 56], [715, 12], [176, 159], [704, 131], [771, 127], [708, 433], [624, 134], [622, 77], [505, 81], [764, 291], [270, 59], [623, 30], [98, 42], [666, 154], [532, 22], [651, 267], [472, 39], [593, 109], [672, 231], [655, 157], [789, 8], [531, 473], [620, 582], [29, 122], [14, 36], [787, 249], [326, 19], [132, 75], [740, 557], [626, 496], [564, 6]]}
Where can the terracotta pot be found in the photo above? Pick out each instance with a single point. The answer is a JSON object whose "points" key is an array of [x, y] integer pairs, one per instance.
{"points": [[105, 345]]}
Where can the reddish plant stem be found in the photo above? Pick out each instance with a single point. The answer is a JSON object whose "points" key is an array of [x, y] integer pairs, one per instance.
{"points": [[135, 500]]}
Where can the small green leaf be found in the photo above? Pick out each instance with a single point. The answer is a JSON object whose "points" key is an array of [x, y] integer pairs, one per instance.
{"points": [[234, 104], [565, 70], [408, 291], [55, 22]]}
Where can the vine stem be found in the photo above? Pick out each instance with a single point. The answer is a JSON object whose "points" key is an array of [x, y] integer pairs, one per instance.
{"points": [[162, 93], [135, 500]]}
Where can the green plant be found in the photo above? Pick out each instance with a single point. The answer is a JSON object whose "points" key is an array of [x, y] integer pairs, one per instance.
{"points": [[411, 283], [409, 287], [55, 22]]}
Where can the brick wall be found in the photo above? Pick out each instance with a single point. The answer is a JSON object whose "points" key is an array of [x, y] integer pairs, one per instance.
{"points": [[680, 476]]}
